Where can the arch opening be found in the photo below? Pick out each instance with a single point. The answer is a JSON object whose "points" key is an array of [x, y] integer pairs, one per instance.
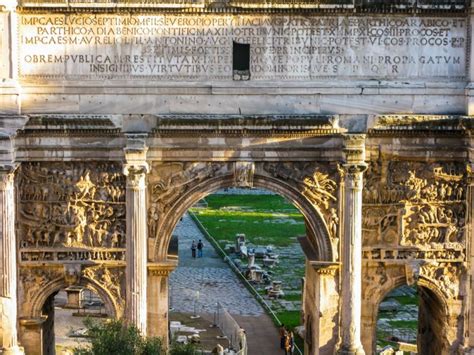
{"points": [[317, 230], [240, 225], [63, 314], [412, 319], [58, 307]]}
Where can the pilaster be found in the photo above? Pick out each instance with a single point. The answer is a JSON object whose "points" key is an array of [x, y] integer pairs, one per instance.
{"points": [[135, 169], [8, 268], [158, 299], [351, 286]]}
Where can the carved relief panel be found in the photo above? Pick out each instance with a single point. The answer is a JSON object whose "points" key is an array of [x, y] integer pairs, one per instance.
{"points": [[71, 212], [417, 209]]}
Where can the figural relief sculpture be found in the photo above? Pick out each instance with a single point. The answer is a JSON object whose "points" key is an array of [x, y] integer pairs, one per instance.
{"points": [[71, 211]]}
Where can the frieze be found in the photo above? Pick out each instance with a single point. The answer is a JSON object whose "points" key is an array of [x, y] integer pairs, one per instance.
{"points": [[71, 211], [403, 254]]}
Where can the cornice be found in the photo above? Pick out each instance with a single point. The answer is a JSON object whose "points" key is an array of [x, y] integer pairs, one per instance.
{"points": [[303, 7], [278, 126], [422, 126]]}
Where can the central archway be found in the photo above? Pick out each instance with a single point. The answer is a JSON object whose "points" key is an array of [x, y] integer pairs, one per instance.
{"points": [[313, 188], [317, 229]]}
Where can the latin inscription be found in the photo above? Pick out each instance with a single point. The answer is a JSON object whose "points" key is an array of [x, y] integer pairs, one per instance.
{"points": [[173, 47]]}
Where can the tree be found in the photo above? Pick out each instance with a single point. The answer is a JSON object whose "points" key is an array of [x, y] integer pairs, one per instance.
{"points": [[115, 337]]}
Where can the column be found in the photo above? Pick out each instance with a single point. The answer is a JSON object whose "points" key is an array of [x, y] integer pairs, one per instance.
{"points": [[8, 268], [136, 169], [352, 171], [158, 299]]}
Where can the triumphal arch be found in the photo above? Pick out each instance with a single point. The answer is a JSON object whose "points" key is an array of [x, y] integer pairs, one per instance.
{"points": [[116, 116]]}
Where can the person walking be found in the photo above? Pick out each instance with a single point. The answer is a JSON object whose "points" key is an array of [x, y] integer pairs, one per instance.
{"points": [[199, 247], [289, 343], [282, 331], [193, 249]]}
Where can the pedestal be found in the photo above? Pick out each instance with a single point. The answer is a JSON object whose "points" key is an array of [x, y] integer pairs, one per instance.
{"points": [[158, 299]]}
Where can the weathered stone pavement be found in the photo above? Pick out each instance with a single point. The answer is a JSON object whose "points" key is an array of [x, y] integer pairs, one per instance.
{"points": [[216, 282], [209, 275]]}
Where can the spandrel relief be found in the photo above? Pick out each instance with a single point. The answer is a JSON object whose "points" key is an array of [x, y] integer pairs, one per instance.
{"points": [[71, 208], [168, 181], [446, 276], [112, 280], [32, 281], [318, 183]]}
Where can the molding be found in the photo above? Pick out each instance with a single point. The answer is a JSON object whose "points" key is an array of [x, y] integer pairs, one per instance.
{"points": [[161, 269], [345, 7]]}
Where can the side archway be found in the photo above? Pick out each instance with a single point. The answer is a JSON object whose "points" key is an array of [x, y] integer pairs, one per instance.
{"points": [[435, 320], [37, 301]]}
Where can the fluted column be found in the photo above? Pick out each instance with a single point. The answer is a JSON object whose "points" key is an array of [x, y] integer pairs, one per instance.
{"points": [[136, 254], [8, 268], [352, 172]]}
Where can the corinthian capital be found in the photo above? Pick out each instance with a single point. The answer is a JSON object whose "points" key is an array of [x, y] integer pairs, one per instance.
{"points": [[136, 174], [136, 167], [7, 174]]}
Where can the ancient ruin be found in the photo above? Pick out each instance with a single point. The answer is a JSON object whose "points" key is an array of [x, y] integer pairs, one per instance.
{"points": [[117, 116]]}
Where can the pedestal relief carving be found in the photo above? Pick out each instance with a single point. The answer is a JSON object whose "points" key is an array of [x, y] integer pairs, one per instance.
{"points": [[71, 211]]}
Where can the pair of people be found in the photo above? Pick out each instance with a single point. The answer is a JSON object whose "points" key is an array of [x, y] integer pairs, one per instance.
{"points": [[199, 246], [287, 341]]}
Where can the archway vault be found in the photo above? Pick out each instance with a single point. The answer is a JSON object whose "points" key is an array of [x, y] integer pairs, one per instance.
{"points": [[311, 187]]}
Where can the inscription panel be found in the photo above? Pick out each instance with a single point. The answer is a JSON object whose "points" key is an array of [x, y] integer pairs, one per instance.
{"points": [[199, 47]]}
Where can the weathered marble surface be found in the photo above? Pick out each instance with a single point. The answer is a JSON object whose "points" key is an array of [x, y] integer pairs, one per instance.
{"points": [[199, 47]]}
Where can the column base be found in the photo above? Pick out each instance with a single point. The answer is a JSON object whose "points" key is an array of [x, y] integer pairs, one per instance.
{"points": [[353, 351], [16, 350]]}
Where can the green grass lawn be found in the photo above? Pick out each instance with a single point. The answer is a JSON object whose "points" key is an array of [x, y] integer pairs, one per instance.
{"points": [[264, 219]]}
